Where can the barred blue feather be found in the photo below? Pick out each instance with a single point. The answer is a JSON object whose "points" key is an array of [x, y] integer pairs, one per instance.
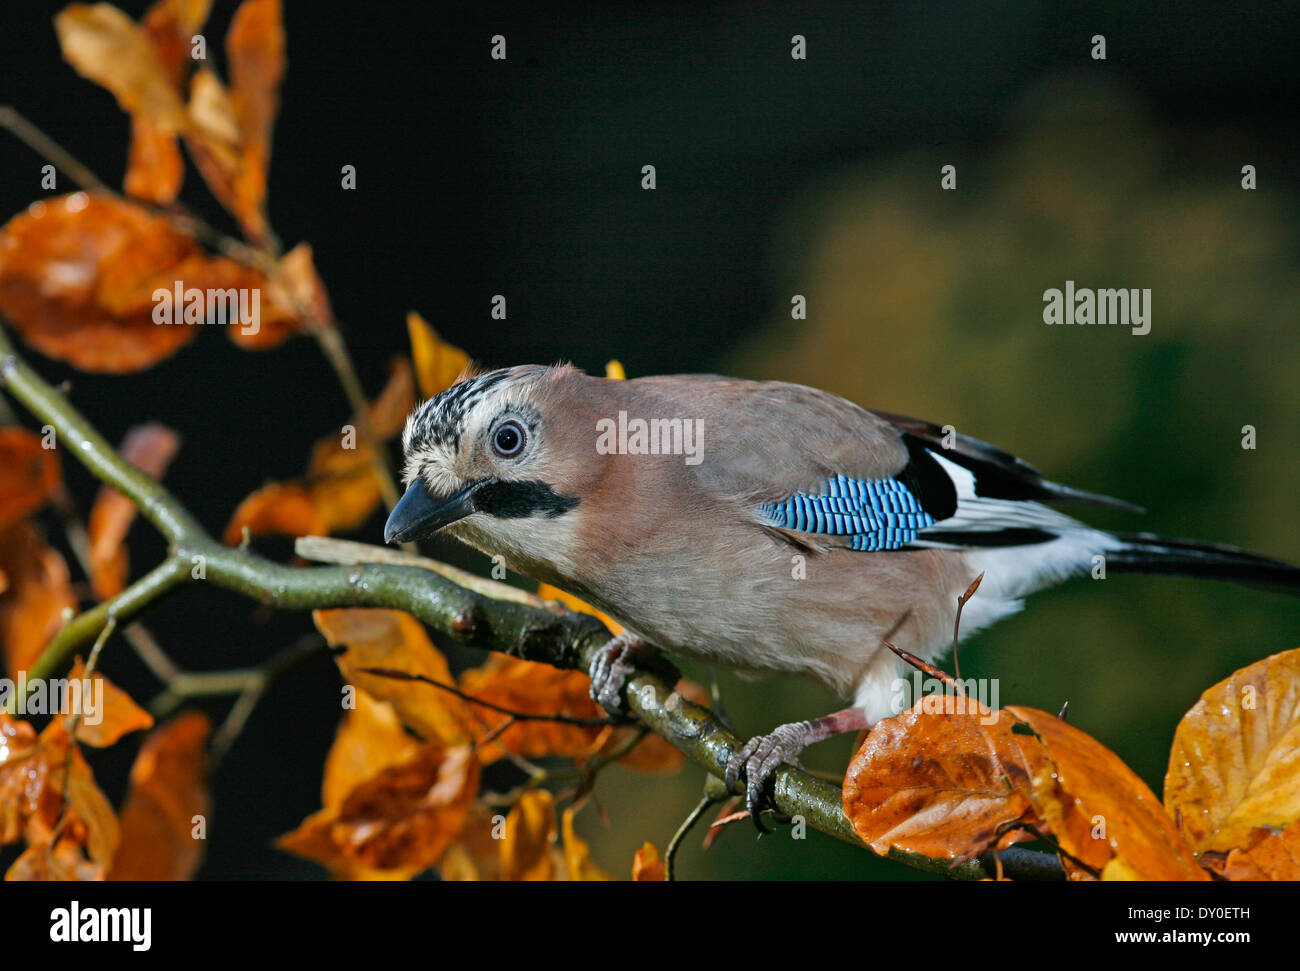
{"points": [[879, 514]]}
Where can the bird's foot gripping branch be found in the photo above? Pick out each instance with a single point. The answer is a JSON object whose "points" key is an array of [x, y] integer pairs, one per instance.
{"points": [[468, 609]]}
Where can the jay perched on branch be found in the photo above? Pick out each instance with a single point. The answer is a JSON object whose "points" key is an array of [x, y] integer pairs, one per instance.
{"points": [[762, 526]]}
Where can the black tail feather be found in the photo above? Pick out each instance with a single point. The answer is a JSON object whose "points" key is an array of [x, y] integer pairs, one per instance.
{"points": [[1145, 553]]}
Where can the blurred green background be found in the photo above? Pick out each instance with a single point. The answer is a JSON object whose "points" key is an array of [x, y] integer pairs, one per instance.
{"points": [[775, 177]]}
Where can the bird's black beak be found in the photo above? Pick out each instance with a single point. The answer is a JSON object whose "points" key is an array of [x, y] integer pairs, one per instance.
{"points": [[417, 514]]}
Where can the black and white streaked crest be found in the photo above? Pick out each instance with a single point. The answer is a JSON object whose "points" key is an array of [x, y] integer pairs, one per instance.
{"points": [[434, 430]]}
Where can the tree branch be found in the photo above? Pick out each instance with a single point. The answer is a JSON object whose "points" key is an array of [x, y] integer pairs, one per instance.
{"points": [[519, 626]]}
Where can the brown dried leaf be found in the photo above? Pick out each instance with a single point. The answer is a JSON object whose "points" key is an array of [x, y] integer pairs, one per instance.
{"points": [[537, 689], [1100, 811], [577, 854], [106, 46], [255, 48], [646, 865], [275, 508], [370, 738], [943, 784], [1235, 763], [78, 276], [438, 365], [149, 448], [168, 791], [530, 835], [29, 474], [401, 821], [1276, 856], [396, 641], [39, 591], [119, 716]]}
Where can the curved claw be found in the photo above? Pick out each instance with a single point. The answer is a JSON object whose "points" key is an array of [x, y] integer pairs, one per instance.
{"points": [[758, 759], [614, 663]]}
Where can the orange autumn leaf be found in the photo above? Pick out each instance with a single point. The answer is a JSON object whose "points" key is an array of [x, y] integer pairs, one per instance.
{"points": [[63, 863], [401, 820], [106, 46], [1275, 856], [255, 50], [438, 365], [341, 488], [475, 855], [155, 168], [647, 867], [1100, 811], [536, 689], [526, 849], [577, 854], [29, 474], [149, 448], [294, 293], [396, 641], [37, 595], [168, 792], [275, 508], [17, 744], [1235, 763], [48, 785], [118, 715], [78, 276], [388, 411], [943, 784], [370, 738], [548, 592]]}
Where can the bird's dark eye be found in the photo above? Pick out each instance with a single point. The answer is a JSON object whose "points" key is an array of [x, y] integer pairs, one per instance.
{"points": [[509, 439]]}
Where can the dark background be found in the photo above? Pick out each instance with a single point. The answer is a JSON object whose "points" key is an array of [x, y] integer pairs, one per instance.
{"points": [[821, 177]]}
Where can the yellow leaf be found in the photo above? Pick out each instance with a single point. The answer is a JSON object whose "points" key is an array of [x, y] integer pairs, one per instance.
{"points": [[614, 371], [438, 364], [530, 831], [1235, 763], [577, 854], [106, 46]]}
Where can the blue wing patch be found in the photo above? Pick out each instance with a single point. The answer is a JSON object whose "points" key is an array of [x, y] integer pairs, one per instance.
{"points": [[881, 514]]}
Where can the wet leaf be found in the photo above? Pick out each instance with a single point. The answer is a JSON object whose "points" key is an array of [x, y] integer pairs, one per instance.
{"points": [[1275, 856], [118, 716], [29, 474], [1235, 762], [149, 448], [943, 784], [168, 792], [396, 641], [1100, 811], [33, 781]]}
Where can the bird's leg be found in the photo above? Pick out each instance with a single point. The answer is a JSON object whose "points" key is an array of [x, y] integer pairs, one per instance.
{"points": [[614, 663], [758, 759]]}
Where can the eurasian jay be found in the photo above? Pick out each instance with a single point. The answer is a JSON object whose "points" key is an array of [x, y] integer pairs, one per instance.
{"points": [[762, 526]]}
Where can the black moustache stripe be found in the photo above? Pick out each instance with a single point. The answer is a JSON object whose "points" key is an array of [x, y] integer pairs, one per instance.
{"points": [[515, 500]]}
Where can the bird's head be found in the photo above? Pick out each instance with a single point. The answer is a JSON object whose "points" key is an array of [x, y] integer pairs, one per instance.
{"points": [[498, 459]]}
